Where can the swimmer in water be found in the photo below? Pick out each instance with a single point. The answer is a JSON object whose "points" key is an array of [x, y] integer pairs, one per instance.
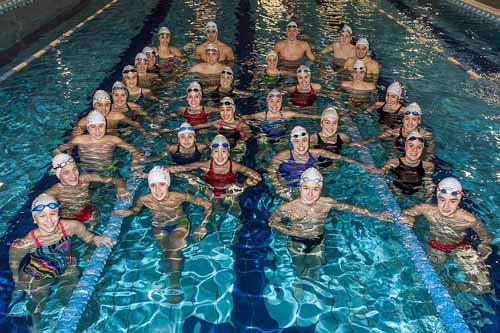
{"points": [[164, 51], [187, 150], [211, 66], [411, 170], [48, 250], [220, 170], [170, 222], [291, 49], [307, 216], [141, 65], [391, 111], [342, 48], [289, 164], [72, 191], [195, 113], [136, 94], [226, 88], [304, 93], [372, 67], [448, 224], [411, 122], [152, 66], [102, 103], [96, 148], [119, 95], [271, 73], [226, 53], [358, 83]]}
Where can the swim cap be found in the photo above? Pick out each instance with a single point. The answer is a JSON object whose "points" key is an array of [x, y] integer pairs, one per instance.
{"points": [[227, 101], [395, 88], [147, 50], [211, 47], [346, 28], [60, 161], [119, 85], [359, 65], [298, 132], [292, 24], [274, 93], [219, 141], [158, 175], [140, 56], [414, 135], [311, 175], [211, 25], [95, 117], [229, 70], [128, 68], [303, 69], [101, 96], [42, 201], [330, 112], [272, 54], [195, 86], [363, 41], [414, 107], [451, 186], [164, 30], [185, 128]]}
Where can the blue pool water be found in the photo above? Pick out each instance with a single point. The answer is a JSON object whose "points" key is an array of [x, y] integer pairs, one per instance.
{"points": [[240, 278]]}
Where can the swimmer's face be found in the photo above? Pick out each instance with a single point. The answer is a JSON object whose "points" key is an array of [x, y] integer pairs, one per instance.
{"points": [[211, 35], [226, 79], [97, 131], [102, 107], [391, 98], [301, 145], [310, 192], [130, 79], [187, 140], [220, 156], [151, 59], [227, 113], [413, 149], [345, 37], [304, 79], [292, 32], [411, 122], [329, 125], [274, 103], [119, 97], [447, 204], [272, 62], [69, 175], [358, 75], [141, 65], [164, 38], [158, 190], [194, 99], [361, 51], [212, 56], [47, 219]]}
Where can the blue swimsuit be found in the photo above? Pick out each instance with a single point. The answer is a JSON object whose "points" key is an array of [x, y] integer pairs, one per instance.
{"points": [[275, 127], [291, 170]]}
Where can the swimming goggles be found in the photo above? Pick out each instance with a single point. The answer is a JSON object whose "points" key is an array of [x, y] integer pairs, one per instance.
{"points": [[306, 179], [303, 70], [197, 90], [39, 208], [211, 51], [217, 145], [361, 69], [63, 164], [129, 71], [227, 72], [453, 193], [292, 26], [274, 94], [141, 60], [413, 113], [211, 31], [412, 138], [297, 136], [185, 129], [164, 34], [227, 103]]}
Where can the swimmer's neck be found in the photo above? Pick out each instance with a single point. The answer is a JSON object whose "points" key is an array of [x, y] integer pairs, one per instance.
{"points": [[409, 162], [198, 107], [407, 130], [325, 135], [115, 106], [186, 150]]}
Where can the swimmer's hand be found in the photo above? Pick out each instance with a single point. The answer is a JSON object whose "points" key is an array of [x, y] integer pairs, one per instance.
{"points": [[153, 134], [372, 170], [123, 194], [200, 233], [284, 193], [355, 144], [167, 130], [98, 240], [385, 216], [122, 212], [234, 189], [408, 220], [250, 181]]}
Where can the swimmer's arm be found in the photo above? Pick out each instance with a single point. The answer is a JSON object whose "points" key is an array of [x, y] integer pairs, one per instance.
{"points": [[313, 140], [121, 191], [408, 215], [390, 164], [292, 114], [385, 216], [272, 171], [309, 53], [252, 176], [79, 129], [345, 138], [316, 86], [66, 146], [176, 52], [206, 125], [386, 134], [135, 124], [159, 157], [79, 230], [375, 106], [188, 167], [328, 154], [136, 155], [134, 210], [429, 142], [484, 247], [207, 205], [242, 92], [210, 109], [198, 51], [18, 250], [326, 49]]}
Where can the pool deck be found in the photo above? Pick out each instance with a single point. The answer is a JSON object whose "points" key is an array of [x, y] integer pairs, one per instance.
{"points": [[491, 6]]}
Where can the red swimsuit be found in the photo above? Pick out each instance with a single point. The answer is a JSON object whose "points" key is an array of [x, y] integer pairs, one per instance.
{"points": [[196, 118], [219, 181]]}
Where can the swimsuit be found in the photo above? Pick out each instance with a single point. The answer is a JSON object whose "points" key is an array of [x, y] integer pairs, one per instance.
{"points": [[84, 215], [217, 94], [447, 248], [49, 261], [310, 243], [180, 158], [391, 119], [196, 118], [219, 181], [232, 134], [274, 127], [171, 227], [291, 170], [303, 98], [138, 99], [409, 179], [333, 147]]}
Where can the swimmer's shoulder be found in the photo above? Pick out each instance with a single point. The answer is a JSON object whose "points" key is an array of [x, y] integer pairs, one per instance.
{"points": [[26, 243]]}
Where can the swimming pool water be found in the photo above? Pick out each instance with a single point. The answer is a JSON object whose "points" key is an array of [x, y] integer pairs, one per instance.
{"points": [[240, 276]]}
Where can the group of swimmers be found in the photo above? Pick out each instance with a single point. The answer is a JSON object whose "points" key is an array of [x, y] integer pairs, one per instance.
{"points": [[44, 255]]}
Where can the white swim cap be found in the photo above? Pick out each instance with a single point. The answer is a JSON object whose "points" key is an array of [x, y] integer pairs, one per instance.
{"points": [[346, 28], [211, 25], [451, 186], [147, 50], [272, 54], [119, 85], [140, 56], [413, 108], [298, 132], [185, 128], [219, 141], [274, 93], [60, 161], [164, 30], [311, 175], [363, 41], [101, 96], [292, 24], [303, 69], [227, 101], [211, 47], [128, 68], [330, 112], [414, 135], [42, 201], [195, 87], [395, 88], [228, 70], [95, 117], [158, 175], [359, 65]]}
